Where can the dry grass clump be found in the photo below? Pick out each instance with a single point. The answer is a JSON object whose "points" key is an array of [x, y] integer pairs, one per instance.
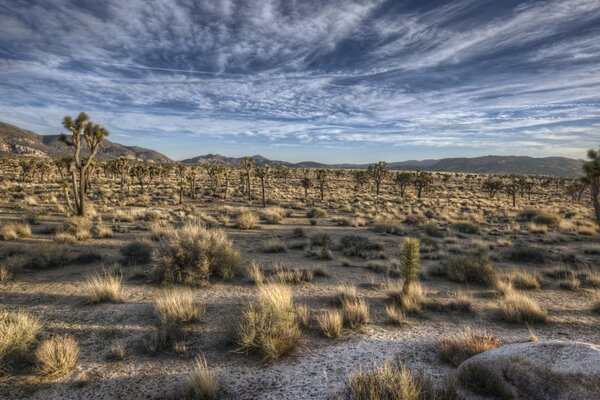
{"points": [[517, 307], [316, 212], [273, 215], [461, 301], [409, 298], [293, 276], [465, 227], [331, 323], [9, 265], [177, 306], [117, 352], [270, 326], [359, 246], [524, 280], [274, 245], [391, 381], [78, 227], [14, 231], [246, 220], [355, 312], [387, 224], [303, 315], [201, 383], [571, 283], [192, 254], [346, 293], [456, 347], [396, 315], [18, 333], [104, 231], [255, 273], [159, 229], [472, 269], [105, 286], [57, 356]]}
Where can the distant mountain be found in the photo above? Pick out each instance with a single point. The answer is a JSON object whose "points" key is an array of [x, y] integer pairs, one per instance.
{"points": [[522, 165], [15, 140]]}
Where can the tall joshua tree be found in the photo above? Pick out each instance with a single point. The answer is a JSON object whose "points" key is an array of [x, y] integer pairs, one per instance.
{"points": [[378, 173], [403, 179], [92, 134], [306, 184], [248, 165], [422, 180], [263, 173], [592, 172], [322, 175]]}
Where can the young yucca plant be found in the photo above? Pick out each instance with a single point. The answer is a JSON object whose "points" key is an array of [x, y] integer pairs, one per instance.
{"points": [[410, 261]]}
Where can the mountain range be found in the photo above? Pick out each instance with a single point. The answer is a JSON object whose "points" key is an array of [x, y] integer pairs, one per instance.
{"points": [[15, 140]]}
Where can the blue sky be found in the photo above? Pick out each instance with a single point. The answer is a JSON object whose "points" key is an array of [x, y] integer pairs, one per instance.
{"points": [[322, 80]]}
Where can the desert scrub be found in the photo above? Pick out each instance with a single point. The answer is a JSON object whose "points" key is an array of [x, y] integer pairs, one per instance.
{"points": [[392, 381], [14, 231], [274, 245], [18, 334], [57, 356], [177, 306], [355, 312], [273, 215], [359, 246], [9, 265], [105, 286], [201, 383], [457, 347], [137, 252], [517, 308], [396, 315], [78, 227], [255, 273], [246, 220], [48, 255], [387, 224], [192, 254], [465, 227], [524, 280], [269, 326], [331, 323], [409, 298], [524, 253], [316, 212], [467, 268]]}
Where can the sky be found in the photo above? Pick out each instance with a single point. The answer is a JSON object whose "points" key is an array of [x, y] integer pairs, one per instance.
{"points": [[322, 80]]}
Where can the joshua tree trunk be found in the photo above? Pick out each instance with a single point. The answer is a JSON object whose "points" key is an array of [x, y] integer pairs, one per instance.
{"points": [[595, 189], [262, 182]]}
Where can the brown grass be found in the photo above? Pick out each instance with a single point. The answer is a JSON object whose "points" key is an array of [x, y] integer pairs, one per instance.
{"points": [[104, 287], [57, 356], [177, 306], [518, 307], [201, 383], [331, 323], [14, 231], [457, 347], [18, 333]]}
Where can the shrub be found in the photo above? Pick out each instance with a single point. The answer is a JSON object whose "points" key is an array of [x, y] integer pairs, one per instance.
{"points": [[409, 298], [117, 352], [465, 227], [470, 269], [316, 212], [457, 347], [57, 356], [48, 255], [269, 326], [18, 333], [432, 230], [303, 315], [396, 315], [517, 307], [137, 252], [255, 273], [331, 323], [104, 231], [192, 254], [273, 215], [14, 231], [524, 253], [387, 224], [549, 220], [10, 264], [246, 220], [358, 246], [525, 280], [201, 383], [274, 245], [570, 284], [106, 286], [79, 227], [177, 306]]}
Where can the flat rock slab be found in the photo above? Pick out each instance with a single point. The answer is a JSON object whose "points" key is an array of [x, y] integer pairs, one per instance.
{"points": [[541, 370]]}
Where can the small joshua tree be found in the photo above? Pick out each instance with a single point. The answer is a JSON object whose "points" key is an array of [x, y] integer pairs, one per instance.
{"points": [[403, 180], [378, 173], [410, 261], [360, 179], [492, 186], [226, 176], [592, 172], [248, 165], [422, 180], [322, 175], [306, 184], [263, 173], [140, 172], [512, 189], [93, 134]]}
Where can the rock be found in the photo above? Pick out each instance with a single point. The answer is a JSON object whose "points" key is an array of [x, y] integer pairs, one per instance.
{"points": [[541, 370]]}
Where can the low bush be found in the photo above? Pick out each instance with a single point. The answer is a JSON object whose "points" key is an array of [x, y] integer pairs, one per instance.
{"points": [[137, 252], [331, 323], [48, 255], [465, 227], [359, 246], [470, 269], [457, 347], [316, 213], [14, 231], [18, 334], [105, 286], [79, 227], [57, 356], [246, 220], [201, 383], [518, 308]]}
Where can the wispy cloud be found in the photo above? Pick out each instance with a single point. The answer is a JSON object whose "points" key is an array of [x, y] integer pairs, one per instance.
{"points": [[465, 77]]}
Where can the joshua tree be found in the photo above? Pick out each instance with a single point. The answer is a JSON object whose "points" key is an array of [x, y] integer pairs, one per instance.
{"points": [[306, 184], [263, 173], [410, 261], [120, 167], [282, 173], [140, 172], [181, 173], [422, 180], [403, 179], [492, 186], [576, 188], [226, 175], [528, 187], [592, 172], [63, 166], [378, 173], [93, 134], [360, 178], [248, 165], [28, 168], [512, 189], [191, 175], [322, 179]]}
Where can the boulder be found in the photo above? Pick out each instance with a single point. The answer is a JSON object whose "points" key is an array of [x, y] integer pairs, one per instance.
{"points": [[540, 370]]}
